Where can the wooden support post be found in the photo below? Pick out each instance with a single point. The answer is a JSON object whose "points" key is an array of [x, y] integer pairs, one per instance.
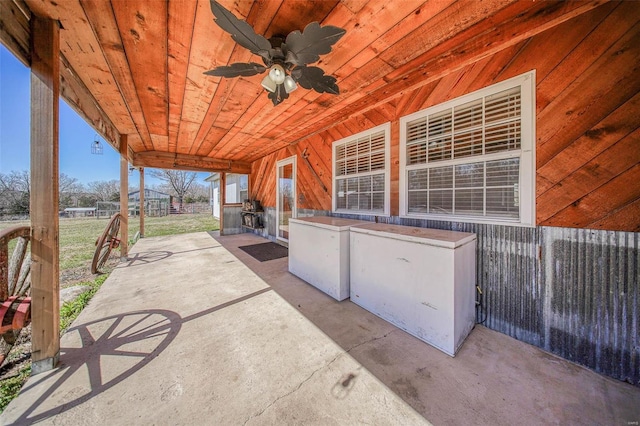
{"points": [[124, 198], [45, 250], [223, 196], [141, 202]]}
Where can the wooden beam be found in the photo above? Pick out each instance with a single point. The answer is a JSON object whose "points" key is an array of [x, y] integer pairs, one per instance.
{"points": [[45, 253], [14, 30], [163, 160], [111, 44], [80, 99], [141, 202], [124, 198], [81, 47], [15, 35]]}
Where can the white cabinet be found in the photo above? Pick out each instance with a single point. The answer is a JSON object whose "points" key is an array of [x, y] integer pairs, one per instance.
{"points": [[319, 252], [421, 280]]}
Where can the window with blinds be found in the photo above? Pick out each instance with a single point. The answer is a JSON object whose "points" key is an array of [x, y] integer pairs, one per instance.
{"points": [[361, 173], [468, 158]]}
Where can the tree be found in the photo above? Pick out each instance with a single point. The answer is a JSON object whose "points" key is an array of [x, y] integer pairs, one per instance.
{"points": [[14, 192], [105, 190], [87, 199], [70, 191], [180, 181], [197, 194]]}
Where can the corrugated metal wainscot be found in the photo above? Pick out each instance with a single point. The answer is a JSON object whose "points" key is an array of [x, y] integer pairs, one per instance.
{"points": [[232, 220], [572, 292]]}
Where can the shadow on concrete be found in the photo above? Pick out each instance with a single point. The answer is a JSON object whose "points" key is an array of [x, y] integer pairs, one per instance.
{"points": [[485, 382], [140, 335], [146, 257]]}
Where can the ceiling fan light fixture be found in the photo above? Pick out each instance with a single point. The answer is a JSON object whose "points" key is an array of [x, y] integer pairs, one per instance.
{"points": [[277, 74], [268, 83], [285, 58], [289, 84]]}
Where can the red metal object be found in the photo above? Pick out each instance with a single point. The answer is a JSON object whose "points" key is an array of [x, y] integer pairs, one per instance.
{"points": [[15, 313]]}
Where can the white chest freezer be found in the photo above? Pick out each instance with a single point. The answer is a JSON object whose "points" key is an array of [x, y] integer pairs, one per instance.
{"points": [[319, 252], [421, 280]]}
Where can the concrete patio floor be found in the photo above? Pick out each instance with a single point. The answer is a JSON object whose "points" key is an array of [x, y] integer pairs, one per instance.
{"points": [[192, 330]]}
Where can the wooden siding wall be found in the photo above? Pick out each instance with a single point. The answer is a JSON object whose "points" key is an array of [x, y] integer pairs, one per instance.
{"points": [[588, 122]]}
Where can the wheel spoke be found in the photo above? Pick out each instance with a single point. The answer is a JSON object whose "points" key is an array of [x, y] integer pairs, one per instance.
{"points": [[104, 255], [107, 241]]}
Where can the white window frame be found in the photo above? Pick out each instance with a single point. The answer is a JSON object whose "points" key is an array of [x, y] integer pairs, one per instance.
{"points": [[386, 127], [294, 208], [527, 214], [238, 191]]}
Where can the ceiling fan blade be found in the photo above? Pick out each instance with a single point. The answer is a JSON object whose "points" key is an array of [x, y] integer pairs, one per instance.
{"points": [[241, 31], [279, 95], [314, 78], [313, 41], [236, 70]]}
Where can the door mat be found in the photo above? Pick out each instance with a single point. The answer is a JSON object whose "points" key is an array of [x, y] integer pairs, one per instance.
{"points": [[266, 251]]}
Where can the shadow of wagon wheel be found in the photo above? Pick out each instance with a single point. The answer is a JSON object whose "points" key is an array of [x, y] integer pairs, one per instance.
{"points": [[96, 352], [96, 349]]}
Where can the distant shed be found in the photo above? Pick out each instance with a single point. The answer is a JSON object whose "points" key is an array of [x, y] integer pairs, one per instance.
{"points": [[149, 194], [80, 212], [156, 203]]}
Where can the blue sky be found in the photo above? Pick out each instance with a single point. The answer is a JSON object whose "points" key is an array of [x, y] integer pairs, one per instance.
{"points": [[76, 136]]}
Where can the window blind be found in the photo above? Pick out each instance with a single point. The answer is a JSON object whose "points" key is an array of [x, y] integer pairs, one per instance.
{"points": [[464, 160], [360, 172]]}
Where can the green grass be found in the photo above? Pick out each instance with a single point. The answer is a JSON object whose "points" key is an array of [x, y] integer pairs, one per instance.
{"points": [[69, 311], [174, 224], [78, 236], [10, 388], [77, 245]]}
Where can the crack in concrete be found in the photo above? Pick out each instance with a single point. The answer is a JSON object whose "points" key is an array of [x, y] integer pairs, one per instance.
{"points": [[295, 389], [313, 374], [371, 340]]}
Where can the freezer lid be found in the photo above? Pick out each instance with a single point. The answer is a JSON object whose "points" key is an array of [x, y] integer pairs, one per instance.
{"points": [[428, 236], [328, 222]]}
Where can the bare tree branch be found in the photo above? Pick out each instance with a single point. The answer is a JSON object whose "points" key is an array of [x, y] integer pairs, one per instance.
{"points": [[105, 190], [179, 180], [15, 191]]}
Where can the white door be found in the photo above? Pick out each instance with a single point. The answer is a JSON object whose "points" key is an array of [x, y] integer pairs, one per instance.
{"points": [[285, 196]]}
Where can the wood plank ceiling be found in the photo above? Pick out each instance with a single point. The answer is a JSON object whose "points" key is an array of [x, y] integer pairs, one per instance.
{"points": [[143, 61]]}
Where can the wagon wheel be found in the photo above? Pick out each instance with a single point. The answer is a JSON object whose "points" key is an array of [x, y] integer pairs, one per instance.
{"points": [[107, 241], [18, 287]]}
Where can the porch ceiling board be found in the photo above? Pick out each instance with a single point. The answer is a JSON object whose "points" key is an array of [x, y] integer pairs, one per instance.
{"points": [[372, 22], [230, 109], [143, 63], [112, 46], [78, 96], [180, 29], [209, 48], [81, 48], [514, 25], [143, 31]]}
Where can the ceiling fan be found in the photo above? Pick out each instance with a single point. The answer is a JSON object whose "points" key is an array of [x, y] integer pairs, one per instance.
{"points": [[286, 58]]}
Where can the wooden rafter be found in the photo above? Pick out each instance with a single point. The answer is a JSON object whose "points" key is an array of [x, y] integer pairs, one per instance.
{"points": [[189, 162]]}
